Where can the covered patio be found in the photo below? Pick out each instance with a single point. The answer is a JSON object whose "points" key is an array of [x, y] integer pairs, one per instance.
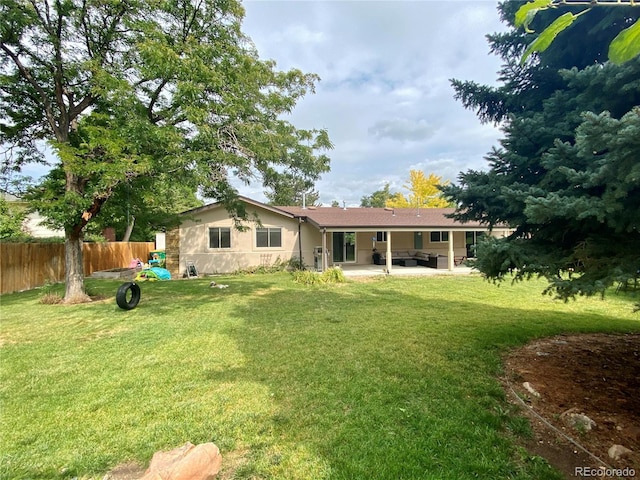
{"points": [[375, 270], [403, 241]]}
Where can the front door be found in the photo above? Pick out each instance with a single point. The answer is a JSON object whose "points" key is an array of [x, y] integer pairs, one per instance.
{"points": [[344, 247]]}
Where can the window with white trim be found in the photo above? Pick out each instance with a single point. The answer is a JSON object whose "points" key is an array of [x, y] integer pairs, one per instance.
{"points": [[381, 236], [439, 237], [219, 237], [269, 237]]}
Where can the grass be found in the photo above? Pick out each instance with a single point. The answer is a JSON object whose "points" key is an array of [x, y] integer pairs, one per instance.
{"points": [[389, 378]]}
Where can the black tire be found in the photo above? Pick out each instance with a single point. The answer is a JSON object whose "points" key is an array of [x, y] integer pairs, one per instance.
{"points": [[123, 293]]}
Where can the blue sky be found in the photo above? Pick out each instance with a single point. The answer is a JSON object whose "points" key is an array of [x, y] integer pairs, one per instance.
{"points": [[384, 95]]}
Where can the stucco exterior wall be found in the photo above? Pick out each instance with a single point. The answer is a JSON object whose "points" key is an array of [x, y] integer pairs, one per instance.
{"points": [[299, 239], [243, 252], [311, 238]]}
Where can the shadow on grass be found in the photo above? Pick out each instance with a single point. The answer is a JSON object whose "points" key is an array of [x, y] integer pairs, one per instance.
{"points": [[387, 383], [391, 378]]}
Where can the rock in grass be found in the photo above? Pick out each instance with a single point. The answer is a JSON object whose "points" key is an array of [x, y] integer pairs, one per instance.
{"points": [[189, 462]]}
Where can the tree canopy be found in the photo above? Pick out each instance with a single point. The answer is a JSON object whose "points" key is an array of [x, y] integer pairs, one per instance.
{"points": [[377, 199], [566, 175], [170, 91], [11, 219], [622, 48], [424, 192]]}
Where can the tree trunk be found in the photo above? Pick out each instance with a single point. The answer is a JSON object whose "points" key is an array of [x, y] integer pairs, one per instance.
{"points": [[127, 233], [74, 269]]}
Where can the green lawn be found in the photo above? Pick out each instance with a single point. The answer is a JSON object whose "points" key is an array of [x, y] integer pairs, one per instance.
{"points": [[390, 378]]}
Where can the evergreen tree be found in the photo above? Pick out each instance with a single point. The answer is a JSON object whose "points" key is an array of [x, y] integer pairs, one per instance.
{"points": [[566, 176]]}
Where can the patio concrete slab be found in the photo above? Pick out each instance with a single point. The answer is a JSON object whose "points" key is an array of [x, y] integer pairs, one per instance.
{"points": [[397, 270]]}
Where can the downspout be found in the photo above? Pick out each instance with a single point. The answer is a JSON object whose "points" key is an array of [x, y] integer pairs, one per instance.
{"points": [[300, 240]]}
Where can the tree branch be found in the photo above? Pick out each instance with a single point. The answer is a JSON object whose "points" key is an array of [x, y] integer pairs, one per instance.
{"points": [[26, 74]]}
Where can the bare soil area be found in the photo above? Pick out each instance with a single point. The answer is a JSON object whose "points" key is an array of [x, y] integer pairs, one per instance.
{"points": [[573, 376]]}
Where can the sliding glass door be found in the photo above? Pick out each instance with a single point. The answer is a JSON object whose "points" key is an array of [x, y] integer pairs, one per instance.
{"points": [[471, 241], [344, 247]]}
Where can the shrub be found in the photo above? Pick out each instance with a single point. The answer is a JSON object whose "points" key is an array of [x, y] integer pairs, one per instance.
{"points": [[295, 264], [50, 298], [333, 275], [279, 265], [308, 277]]}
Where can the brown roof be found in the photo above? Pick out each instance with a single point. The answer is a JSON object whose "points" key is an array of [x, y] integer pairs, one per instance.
{"points": [[335, 218], [379, 218]]}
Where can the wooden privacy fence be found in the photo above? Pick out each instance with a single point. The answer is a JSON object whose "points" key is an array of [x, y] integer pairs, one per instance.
{"points": [[24, 266]]}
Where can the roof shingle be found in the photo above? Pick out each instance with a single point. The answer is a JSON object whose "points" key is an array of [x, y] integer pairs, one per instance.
{"points": [[379, 218]]}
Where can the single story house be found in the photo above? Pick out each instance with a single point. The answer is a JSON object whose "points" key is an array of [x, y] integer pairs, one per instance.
{"points": [[407, 236]]}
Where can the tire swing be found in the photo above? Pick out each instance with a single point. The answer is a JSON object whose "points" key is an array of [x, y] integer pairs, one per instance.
{"points": [[128, 295]]}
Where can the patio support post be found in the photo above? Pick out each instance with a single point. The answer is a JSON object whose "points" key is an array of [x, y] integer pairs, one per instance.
{"points": [[389, 259], [451, 258]]}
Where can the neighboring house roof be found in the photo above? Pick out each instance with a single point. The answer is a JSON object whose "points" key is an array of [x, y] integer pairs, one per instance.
{"points": [[360, 218]]}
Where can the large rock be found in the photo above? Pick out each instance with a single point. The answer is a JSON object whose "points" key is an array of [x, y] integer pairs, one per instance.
{"points": [[618, 451], [189, 462], [579, 421], [527, 386]]}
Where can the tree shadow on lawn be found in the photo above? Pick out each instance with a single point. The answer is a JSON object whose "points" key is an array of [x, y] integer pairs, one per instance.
{"points": [[154, 292], [387, 384]]}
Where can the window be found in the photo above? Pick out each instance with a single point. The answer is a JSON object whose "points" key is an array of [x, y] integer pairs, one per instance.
{"points": [[268, 237], [219, 237], [381, 236], [439, 237]]}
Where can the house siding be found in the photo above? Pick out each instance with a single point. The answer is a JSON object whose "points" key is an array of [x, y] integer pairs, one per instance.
{"points": [[243, 253], [302, 230]]}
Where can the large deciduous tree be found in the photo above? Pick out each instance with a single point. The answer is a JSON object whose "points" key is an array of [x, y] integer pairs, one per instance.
{"points": [[124, 89], [424, 192], [566, 176], [377, 199]]}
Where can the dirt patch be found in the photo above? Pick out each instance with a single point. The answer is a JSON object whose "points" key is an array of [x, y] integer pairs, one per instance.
{"points": [[231, 462], [594, 375], [126, 471]]}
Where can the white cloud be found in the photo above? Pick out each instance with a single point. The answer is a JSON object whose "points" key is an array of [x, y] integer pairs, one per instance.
{"points": [[401, 129], [385, 95]]}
